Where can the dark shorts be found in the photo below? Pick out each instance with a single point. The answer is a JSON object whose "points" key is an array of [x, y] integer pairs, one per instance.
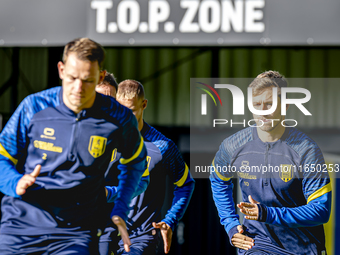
{"points": [[270, 251], [259, 252], [52, 244], [145, 244], [262, 248]]}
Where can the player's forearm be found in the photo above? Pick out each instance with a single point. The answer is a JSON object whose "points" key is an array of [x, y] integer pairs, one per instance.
{"points": [[315, 213], [180, 202], [142, 186], [9, 177], [112, 193], [113, 190], [223, 198], [129, 179]]}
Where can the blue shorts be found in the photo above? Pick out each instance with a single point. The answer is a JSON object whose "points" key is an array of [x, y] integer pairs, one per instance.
{"points": [[263, 248], [254, 251], [52, 244], [145, 244]]}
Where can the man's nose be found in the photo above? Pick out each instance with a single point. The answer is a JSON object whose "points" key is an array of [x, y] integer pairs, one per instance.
{"points": [[78, 85]]}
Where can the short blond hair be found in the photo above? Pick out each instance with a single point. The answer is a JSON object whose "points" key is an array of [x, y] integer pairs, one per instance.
{"points": [[129, 89], [266, 80], [85, 49]]}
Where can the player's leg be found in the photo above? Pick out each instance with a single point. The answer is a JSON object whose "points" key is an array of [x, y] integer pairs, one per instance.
{"points": [[14, 244], [264, 249], [104, 248], [256, 252], [83, 244], [106, 244], [145, 244]]}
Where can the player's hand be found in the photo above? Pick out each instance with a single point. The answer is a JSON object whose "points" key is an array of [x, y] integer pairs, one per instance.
{"points": [[166, 232], [27, 181], [242, 241], [106, 192], [249, 209], [120, 223]]}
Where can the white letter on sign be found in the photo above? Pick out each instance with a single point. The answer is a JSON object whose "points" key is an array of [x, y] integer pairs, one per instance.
{"points": [[232, 15], [159, 11], [213, 24], [101, 20], [125, 25], [251, 15], [187, 25]]}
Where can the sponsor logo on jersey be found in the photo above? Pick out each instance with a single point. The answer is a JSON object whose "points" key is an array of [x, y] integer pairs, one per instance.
{"points": [[246, 176], [286, 173], [97, 146], [47, 146], [48, 133]]}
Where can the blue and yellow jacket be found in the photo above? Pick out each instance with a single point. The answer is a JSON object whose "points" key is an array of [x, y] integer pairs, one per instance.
{"points": [[164, 160], [74, 151], [290, 180]]}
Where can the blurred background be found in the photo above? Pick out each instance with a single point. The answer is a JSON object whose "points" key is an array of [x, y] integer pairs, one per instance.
{"points": [[163, 44]]}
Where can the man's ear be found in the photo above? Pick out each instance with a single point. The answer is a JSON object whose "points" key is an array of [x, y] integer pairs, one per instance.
{"points": [[102, 74], [61, 67], [144, 104]]}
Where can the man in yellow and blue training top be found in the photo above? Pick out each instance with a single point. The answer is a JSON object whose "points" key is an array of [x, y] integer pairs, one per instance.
{"points": [[145, 225], [286, 209], [54, 152]]}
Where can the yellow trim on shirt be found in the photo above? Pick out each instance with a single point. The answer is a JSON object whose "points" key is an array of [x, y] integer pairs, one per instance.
{"points": [[184, 177], [218, 174], [146, 173], [114, 155], [325, 189], [4, 153], [125, 161]]}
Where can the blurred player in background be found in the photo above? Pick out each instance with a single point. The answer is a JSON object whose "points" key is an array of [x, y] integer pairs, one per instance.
{"points": [[108, 86], [144, 224], [54, 152], [286, 209]]}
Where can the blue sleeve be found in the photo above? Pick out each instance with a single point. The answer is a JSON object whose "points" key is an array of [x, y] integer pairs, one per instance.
{"points": [[12, 148], [132, 166], [184, 184], [181, 199], [315, 213], [222, 190], [317, 191], [9, 176], [113, 190]]}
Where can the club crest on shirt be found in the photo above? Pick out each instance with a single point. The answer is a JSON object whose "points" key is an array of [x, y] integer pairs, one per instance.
{"points": [[97, 146], [244, 166], [286, 173]]}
